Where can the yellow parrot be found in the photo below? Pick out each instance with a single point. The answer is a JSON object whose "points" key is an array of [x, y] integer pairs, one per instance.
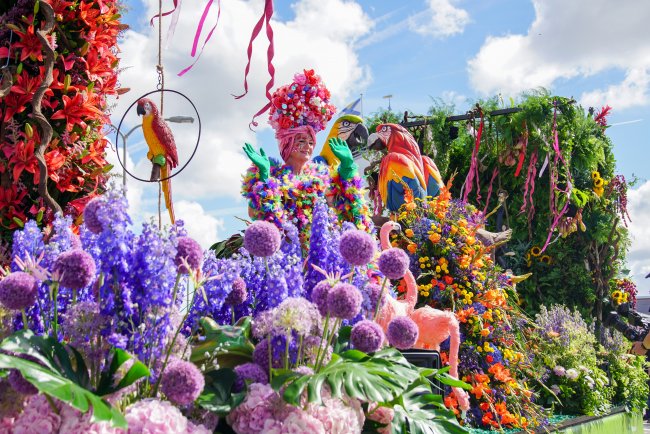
{"points": [[349, 128], [162, 148]]}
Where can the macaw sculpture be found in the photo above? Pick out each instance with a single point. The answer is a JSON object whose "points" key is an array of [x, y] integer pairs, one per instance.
{"points": [[349, 128], [404, 171], [162, 149]]}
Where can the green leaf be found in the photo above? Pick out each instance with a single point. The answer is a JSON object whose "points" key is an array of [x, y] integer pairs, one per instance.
{"points": [[235, 346], [381, 377], [418, 411], [217, 394], [136, 371], [54, 384]]}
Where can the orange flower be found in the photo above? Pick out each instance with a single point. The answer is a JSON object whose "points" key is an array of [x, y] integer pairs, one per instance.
{"points": [[508, 419], [434, 237], [410, 206], [412, 248], [448, 280], [500, 373], [479, 390], [482, 378], [485, 333], [470, 240], [485, 406], [464, 314], [409, 233]]}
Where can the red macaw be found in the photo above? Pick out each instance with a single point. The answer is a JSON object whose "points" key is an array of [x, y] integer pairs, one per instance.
{"points": [[403, 168], [162, 148]]}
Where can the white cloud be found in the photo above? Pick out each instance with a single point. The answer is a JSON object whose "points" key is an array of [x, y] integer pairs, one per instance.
{"points": [[454, 98], [440, 20], [638, 258], [567, 40], [633, 91], [321, 36], [201, 226]]}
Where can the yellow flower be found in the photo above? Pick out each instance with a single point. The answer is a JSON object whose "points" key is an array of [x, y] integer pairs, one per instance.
{"points": [[410, 206], [595, 175], [598, 182], [599, 191], [546, 259], [616, 295], [535, 251], [409, 233]]}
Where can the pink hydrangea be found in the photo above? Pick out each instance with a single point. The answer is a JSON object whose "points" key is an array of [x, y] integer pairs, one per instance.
{"points": [[37, 417], [383, 415], [338, 415], [250, 416], [298, 422], [75, 422], [152, 416]]}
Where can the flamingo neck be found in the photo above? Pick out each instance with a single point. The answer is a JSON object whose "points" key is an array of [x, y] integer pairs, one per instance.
{"points": [[411, 297], [384, 236]]}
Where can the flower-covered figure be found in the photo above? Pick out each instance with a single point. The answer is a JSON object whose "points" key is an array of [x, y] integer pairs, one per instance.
{"points": [[289, 192]]}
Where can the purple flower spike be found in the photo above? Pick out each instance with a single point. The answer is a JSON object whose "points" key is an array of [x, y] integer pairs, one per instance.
{"points": [[238, 294], [402, 333], [393, 263], [92, 222], [374, 292], [76, 269], [251, 372], [189, 250], [319, 296], [262, 239], [357, 247], [18, 291], [344, 301], [367, 336], [182, 382]]}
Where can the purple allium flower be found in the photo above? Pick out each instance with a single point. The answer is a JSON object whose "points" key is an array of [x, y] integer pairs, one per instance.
{"points": [[402, 333], [374, 292], [92, 222], [238, 294], [262, 324], [319, 296], [188, 250], [262, 238], [251, 372], [311, 346], [19, 384], [18, 290], [182, 382], [278, 347], [76, 269], [393, 263], [367, 336], [344, 301], [559, 371], [357, 247], [297, 314]]}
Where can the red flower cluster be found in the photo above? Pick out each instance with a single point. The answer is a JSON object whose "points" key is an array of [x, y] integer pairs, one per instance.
{"points": [[84, 39], [303, 102]]}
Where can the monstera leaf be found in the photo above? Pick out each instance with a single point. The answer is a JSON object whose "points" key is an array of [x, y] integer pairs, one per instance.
{"points": [[381, 377], [60, 371], [418, 411], [217, 395]]}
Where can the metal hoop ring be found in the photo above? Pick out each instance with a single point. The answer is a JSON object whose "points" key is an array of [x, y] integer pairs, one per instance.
{"points": [[119, 127]]}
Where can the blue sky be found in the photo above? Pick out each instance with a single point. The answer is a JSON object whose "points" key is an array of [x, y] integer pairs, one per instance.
{"points": [[596, 51]]}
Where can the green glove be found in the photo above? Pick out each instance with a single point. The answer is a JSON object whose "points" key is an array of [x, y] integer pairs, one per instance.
{"points": [[340, 149], [260, 160]]}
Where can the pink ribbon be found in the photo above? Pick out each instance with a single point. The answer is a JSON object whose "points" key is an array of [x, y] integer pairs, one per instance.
{"points": [[529, 187], [473, 168], [164, 13], [265, 19], [489, 194], [197, 35]]}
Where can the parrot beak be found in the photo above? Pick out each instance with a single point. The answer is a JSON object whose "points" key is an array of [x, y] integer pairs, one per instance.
{"points": [[140, 110], [375, 142], [359, 137]]}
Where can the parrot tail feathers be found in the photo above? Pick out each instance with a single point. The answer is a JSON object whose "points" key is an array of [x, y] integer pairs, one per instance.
{"points": [[167, 191]]}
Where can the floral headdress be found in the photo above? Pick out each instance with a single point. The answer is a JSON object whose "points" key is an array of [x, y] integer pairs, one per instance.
{"points": [[304, 102]]}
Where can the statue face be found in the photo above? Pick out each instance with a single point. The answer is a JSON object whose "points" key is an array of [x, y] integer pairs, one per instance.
{"points": [[304, 146]]}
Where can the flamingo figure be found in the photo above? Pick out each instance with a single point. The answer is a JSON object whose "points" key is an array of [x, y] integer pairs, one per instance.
{"points": [[435, 325]]}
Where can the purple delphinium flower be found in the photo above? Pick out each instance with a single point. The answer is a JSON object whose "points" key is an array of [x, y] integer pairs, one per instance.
{"points": [[374, 292], [262, 238], [357, 247], [367, 336], [251, 373], [319, 296], [402, 333], [261, 354], [27, 242], [91, 220], [238, 293], [344, 301], [19, 384], [190, 252], [393, 263], [76, 269], [83, 326], [18, 290], [182, 382]]}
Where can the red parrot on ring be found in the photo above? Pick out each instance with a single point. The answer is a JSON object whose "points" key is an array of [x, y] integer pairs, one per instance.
{"points": [[162, 148], [403, 167]]}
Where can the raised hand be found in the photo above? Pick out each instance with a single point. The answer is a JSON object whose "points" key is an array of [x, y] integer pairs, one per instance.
{"points": [[340, 149], [260, 160]]}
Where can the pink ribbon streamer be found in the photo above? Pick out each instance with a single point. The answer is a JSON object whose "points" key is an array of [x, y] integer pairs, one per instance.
{"points": [[473, 168], [199, 30], [164, 13], [529, 187], [553, 177], [489, 194], [173, 23], [265, 19]]}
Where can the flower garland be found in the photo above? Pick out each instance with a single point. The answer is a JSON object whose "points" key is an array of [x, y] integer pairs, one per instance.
{"points": [[287, 197]]}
